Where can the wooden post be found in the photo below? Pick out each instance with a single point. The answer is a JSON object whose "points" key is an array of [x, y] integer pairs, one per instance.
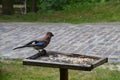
{"points": [[33, 5], [63, 74], [25, 6]]}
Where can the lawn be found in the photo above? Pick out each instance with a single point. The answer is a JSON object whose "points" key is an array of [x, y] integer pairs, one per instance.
{"points": [[14, 70], [74, 13]]}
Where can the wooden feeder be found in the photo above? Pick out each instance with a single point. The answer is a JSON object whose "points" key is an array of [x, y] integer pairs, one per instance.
{"points": [[65, 61]]}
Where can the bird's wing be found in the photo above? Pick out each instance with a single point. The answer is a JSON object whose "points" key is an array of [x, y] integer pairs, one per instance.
{"points": [[31, 42], [40, 43]]}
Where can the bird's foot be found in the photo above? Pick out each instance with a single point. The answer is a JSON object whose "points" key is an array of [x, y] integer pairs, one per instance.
{"points": [[43, 52]]}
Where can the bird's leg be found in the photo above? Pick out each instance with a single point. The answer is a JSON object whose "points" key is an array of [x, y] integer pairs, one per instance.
{"points": [[44, 52], [39, 51]]}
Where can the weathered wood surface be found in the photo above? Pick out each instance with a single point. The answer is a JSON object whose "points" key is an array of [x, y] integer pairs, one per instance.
{"points": [[36, 61]]}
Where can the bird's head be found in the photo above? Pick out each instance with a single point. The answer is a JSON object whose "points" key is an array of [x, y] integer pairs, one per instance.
{"points": [[50, 34]]}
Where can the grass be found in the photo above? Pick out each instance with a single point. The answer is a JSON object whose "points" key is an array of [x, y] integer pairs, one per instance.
{"points": [[74, 13], [14, 70]]}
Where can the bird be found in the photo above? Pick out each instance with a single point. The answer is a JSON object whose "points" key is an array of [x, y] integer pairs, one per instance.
{"points": [[39, 44]]}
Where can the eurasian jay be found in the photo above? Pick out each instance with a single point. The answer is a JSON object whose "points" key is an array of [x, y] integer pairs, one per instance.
{"points": [[39, 44]]}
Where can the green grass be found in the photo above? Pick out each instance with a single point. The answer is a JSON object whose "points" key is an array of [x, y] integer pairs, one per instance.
{"points": [[74, 13], [14, 70]]}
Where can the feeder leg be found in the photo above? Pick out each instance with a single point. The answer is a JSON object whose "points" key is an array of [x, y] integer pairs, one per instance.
{"points": [[63, 74]]}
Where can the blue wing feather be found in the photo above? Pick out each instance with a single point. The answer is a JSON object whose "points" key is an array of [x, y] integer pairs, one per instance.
{"points": [[40, 43]]}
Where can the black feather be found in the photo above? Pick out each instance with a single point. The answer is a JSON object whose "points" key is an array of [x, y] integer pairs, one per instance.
{"points": [[19, 47], [26, 45]]}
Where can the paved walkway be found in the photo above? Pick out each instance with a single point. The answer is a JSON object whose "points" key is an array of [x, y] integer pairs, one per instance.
{"points": [[101, 39]]}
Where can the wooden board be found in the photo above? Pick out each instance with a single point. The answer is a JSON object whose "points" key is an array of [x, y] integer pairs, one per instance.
{"points": [[36, 60]]}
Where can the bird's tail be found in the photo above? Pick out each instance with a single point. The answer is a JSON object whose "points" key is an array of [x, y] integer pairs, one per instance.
{"points": [[19, 47]]}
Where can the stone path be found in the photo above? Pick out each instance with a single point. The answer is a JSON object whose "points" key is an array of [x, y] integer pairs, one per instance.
{"points": [[100, 39]]}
